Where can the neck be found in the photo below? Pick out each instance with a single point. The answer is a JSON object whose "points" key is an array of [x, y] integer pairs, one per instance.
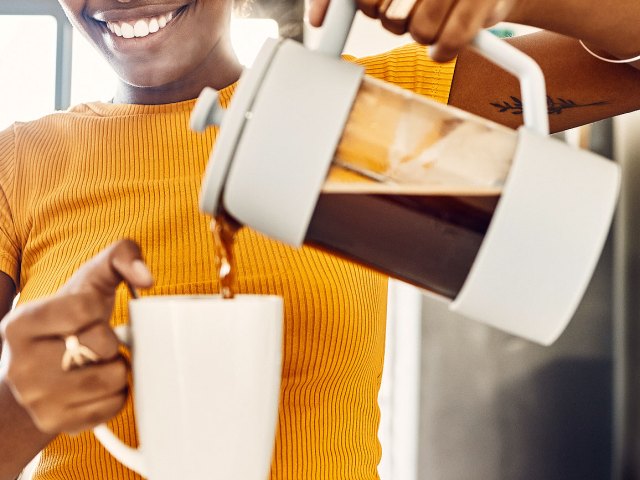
{"points": [[220, 69]]}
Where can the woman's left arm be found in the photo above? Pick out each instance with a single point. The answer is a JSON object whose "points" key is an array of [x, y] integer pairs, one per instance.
{"points": [[581, 89]]}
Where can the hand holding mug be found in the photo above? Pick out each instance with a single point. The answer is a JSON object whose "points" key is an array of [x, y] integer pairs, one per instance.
{"points": [[64, 364], [447, 25]]}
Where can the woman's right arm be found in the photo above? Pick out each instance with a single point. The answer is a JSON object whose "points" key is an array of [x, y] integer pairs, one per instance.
{"points": [[38, 397], [20, 439]]}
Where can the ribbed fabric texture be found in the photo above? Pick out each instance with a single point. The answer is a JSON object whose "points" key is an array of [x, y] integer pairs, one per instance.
{"points": [[410, 67], [74, 182]]}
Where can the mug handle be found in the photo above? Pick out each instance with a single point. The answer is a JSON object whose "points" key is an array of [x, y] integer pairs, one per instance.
{"points": [[130, 457]]}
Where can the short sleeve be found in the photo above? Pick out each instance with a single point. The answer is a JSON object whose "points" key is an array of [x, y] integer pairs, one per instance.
{"points": [[10, 250], [410, 67]]}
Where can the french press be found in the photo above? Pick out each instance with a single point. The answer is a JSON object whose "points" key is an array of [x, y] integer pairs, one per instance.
{"points": [[516, 253]]}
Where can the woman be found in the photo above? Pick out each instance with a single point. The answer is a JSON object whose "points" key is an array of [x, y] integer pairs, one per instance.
{"points": [[73, 185]]}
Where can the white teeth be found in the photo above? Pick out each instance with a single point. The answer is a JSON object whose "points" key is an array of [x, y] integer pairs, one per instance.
{"points": [[141, 27], [127, 30]]}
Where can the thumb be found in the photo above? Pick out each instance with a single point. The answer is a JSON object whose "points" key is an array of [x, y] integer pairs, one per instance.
{"points": [[121, 261], [499, 13], [317, 12]]}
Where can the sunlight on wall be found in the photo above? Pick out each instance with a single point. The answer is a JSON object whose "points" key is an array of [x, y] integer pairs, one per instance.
{"points": [[248, 35]]}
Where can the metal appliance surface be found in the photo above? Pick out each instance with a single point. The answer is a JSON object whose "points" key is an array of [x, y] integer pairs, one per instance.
{"points": [[497, 407]]}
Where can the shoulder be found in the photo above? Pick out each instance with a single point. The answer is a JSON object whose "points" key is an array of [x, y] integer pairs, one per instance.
{"points": [[27, 149], [52, 123], [7, 157], [28, 131], [410, 67], [40, 136], [7, 143]]}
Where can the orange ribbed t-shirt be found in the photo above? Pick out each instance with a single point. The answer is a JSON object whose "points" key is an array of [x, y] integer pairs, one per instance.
{"points": [[72, 183]]}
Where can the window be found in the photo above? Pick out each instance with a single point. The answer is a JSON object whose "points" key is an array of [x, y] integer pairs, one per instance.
{"points": [[30, 93], [91, 76]]}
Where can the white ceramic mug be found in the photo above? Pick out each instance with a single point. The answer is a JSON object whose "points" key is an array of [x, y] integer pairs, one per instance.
{"points": [[207, 380]]}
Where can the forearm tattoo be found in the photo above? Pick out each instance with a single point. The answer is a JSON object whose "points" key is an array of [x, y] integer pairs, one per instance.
{"points": [[555, 106]]}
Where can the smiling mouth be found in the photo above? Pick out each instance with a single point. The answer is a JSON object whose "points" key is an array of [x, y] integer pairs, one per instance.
{"points": [[141, 27]]}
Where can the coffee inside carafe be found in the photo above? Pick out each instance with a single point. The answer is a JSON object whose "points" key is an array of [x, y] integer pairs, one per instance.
{"points": [[430, 241], [412, 188], [401, 142]]}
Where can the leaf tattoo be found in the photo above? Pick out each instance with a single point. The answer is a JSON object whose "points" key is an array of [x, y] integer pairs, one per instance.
{"points": [[554, 107]]}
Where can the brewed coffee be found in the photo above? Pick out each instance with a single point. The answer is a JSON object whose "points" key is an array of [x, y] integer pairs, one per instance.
{"points": [[224, 230], [430, 241]]}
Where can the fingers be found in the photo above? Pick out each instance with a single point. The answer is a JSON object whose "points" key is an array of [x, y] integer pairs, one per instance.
{"points": [[499, 12], [121, 261], [72, 328], [54, 317], [56, 400], [371, 8], [96, 382], [35, 367], [93, 413], [317, 12], [464, 22], [49, 389], [53, 397], [427, 20], [394, 15], [446, 25], [34, 335], [102, 340], [77, 418], [85, 299], [99, 338]]}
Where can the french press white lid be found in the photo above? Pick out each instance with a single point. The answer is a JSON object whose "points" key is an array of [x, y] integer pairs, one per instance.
{"points": [[279, 137]]}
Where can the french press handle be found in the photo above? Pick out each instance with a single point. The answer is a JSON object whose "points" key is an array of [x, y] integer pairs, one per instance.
{"points": [[339, 19]]}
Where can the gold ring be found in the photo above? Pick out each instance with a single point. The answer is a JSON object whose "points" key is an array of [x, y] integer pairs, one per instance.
{"points": [[77, 355]]}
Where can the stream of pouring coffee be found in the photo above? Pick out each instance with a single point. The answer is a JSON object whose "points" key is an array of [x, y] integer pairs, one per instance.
{"points": [[223, 235]]}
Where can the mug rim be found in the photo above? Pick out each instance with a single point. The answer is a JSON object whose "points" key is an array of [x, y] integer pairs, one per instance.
{"points": [[204, 298]]}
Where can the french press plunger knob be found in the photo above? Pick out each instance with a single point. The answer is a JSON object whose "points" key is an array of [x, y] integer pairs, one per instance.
{"points": [[207, 111]]}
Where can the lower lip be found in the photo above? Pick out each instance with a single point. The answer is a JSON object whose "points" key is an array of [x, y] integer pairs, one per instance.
{"points": [[139, 44]]}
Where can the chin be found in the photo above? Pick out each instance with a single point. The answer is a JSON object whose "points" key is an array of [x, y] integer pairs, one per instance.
{"points": [[152, 75]]}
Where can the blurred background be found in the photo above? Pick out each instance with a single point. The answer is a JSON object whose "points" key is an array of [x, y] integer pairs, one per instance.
{"points": [[459, 400]]}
